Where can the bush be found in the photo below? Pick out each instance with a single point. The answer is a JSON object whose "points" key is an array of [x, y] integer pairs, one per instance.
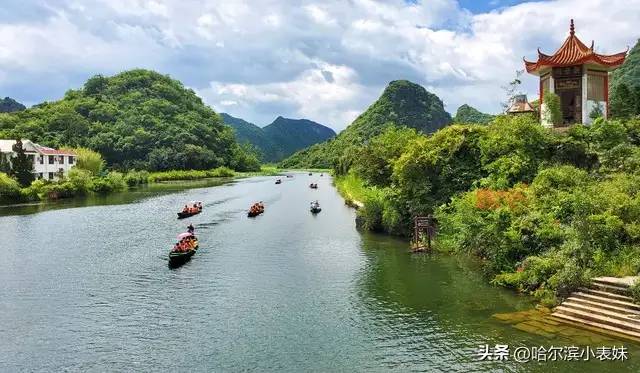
{"points": [[113, 182], [87, 159], [552, 113], [190, 174], [9, 188], [135, 178]]}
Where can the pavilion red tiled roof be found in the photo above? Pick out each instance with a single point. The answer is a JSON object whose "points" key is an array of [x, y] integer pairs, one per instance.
{"points": [[574, 52]]}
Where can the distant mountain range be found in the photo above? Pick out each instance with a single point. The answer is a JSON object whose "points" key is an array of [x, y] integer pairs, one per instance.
{"points": [[281, 138], [402, 103], [9, 105]]}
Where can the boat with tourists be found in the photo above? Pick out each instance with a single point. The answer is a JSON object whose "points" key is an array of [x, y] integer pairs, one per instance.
{"points": [[313, 185], [315, 207], [193, 208], [184, 249], [256, 209], [279, 181]]}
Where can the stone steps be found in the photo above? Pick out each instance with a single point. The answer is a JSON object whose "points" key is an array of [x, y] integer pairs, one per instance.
{"points": [[621, 307], [605, 305]]}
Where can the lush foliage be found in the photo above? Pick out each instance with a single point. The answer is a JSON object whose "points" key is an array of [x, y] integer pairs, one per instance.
{"points": [[137, 119], [87, 159], [9, 189], [552, 112], [190, 174], [624, 98], [401, 104], [9, 105], [544, 211], [467, 114]]}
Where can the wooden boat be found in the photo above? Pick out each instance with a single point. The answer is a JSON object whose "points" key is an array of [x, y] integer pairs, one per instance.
{"points": [[310, 173], [289, 175], [313, 186], [278, 181], [182, 215], [315, 207], [177, 258], [255, 212]]}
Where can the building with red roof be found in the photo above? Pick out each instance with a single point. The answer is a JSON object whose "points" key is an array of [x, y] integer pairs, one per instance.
{"points": [[48, 163], [578, 75]]}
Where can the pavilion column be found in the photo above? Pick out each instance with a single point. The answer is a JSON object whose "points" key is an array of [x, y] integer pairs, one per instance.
{"points": [[585, 81], [606, 96]]}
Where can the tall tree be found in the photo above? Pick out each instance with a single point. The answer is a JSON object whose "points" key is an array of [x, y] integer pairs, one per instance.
{"points": [[22, 167], [623, 102], [511, 90]]}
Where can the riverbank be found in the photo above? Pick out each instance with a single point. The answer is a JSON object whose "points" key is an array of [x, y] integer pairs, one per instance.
{"points": [[80, 183]]}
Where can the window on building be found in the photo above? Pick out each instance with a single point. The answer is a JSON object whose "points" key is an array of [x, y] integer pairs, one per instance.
{"points": [[41, 159], [595, 87], [61, 159], [51, 159], [39, 175], [51, 174], [71, 159]]}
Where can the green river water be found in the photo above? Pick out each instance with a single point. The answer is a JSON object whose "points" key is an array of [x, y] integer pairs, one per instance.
{"points": [[85, 286]]}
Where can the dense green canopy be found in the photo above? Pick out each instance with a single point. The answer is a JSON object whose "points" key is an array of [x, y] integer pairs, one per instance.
{"points": [[136, 119], [624, 99]]}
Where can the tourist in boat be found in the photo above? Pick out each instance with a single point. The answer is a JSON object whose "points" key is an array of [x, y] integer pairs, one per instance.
{"points": [[185, 209]]}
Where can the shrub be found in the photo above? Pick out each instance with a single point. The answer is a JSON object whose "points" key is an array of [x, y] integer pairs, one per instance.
{"points": [[552, 112], [135, 178], [9, 188], [87, 159]]}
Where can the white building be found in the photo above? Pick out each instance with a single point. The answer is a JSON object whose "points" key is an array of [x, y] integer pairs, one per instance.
{"points": [[48, 163]]}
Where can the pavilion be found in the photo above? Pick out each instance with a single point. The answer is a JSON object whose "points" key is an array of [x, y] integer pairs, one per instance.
{"points": [[578, 75]]}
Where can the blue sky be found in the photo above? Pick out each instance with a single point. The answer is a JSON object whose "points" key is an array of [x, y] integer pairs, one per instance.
{"points": [[325, 60]]}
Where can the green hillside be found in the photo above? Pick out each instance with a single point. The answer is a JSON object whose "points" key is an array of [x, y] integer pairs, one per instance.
{"points": [[469, 114], [625, 86], [9, 105], [281, 138], [402, 103], [249, 133], [137, 119]]}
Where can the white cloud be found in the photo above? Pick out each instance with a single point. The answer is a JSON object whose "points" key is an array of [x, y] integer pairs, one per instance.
{"points": [[325, 60]]}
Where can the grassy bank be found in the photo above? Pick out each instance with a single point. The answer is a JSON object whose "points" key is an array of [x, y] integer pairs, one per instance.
{"points": [[81, 182]]}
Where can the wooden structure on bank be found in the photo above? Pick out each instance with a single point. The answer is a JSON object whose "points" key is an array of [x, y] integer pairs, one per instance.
{"points": [[424, 230], [578, 75]]}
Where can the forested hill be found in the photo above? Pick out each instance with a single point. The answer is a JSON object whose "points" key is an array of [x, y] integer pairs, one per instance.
{"points": [[469, 114], [9, 105], [136, 119], [249, 133], [402, 103], [281, 138], [625, 86]]}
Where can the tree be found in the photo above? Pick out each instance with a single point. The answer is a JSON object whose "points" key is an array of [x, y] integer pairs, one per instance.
{"points": [[22, 166], [623, 102], [552, 113], [512, 89]]}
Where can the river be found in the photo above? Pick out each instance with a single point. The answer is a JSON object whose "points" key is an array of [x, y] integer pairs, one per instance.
{"points": [[85, 286]]}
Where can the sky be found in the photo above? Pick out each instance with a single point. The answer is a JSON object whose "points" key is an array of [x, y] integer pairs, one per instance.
{"points": [[324, 60]]}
